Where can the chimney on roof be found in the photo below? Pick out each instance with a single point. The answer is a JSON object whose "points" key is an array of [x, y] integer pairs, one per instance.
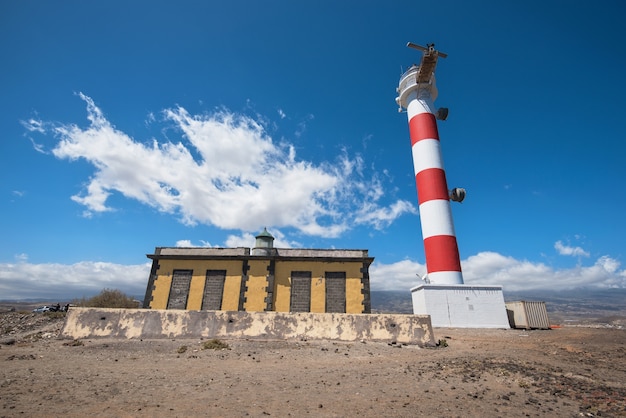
{"points": [[264, 243]]}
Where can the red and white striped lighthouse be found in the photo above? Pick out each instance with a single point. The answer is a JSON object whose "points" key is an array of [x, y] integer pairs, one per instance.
{"points": [[416, 93]]}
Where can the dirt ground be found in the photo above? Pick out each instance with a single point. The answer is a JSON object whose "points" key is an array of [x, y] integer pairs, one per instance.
{"points": [[571, 371]]}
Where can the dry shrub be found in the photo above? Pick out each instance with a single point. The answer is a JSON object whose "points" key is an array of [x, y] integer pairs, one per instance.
{"points": [[215, 344], [108, 298]]}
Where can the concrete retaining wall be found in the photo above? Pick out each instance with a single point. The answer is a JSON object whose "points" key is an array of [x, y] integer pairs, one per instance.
{"points": [[141, 323]]}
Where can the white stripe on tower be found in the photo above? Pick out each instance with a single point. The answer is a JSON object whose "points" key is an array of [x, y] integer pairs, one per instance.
{"points": [[440, 245]]}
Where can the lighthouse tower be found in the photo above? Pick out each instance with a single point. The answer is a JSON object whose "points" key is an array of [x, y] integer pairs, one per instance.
{"points": [[443, 295], [417, 92]]}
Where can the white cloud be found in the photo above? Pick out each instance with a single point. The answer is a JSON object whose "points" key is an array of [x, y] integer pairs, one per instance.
{"points": [[381, 217], [567, 250], [38, 147], [282, 114], [34, 125], [494, 268], [150, 118], [396, 276], [62, 282], [188, 244], [609, 265], [185, 243], [491, 268], [248, 240], [21, 258], [244, 240], [227, 172]]}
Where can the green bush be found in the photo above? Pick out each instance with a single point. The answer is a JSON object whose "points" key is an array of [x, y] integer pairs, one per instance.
{"points": [[108, 298]]}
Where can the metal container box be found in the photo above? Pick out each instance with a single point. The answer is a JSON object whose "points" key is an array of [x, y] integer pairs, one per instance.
{"points": [[528, 315]]}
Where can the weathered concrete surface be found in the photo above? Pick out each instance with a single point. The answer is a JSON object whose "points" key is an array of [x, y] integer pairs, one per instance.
{"points": [[142, 323]]}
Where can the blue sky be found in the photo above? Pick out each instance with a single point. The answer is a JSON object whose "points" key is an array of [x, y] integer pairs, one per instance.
{"points": [[131, 125]]}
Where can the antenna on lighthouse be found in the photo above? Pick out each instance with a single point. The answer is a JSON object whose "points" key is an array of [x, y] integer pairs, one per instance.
{"points": [[429, 61], [429, 49]]}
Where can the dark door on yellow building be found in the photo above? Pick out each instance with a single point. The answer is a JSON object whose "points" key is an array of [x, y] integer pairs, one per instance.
{"points": [[336, 291], [300, 291], [179, 291], [213, 290]]}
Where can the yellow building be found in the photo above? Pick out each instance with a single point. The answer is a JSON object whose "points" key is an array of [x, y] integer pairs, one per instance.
{"points": [[262, 279]]}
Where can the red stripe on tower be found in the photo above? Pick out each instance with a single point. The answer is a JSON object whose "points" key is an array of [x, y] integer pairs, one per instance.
{"points": [[423, 126], [431, 185], [442, 253]]}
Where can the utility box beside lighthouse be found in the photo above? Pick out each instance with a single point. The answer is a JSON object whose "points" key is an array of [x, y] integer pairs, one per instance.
{"points": [[461, 306], [444, 296]]}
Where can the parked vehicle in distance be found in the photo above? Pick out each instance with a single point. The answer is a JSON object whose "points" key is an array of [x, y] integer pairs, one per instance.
{"points": [[42, 309]]}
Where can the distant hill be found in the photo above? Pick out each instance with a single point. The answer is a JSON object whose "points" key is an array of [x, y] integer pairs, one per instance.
{"points": [[391, 301], [578, 306]]}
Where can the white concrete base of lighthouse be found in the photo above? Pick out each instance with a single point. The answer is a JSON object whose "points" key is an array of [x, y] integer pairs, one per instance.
{"points": [[461, 305]]}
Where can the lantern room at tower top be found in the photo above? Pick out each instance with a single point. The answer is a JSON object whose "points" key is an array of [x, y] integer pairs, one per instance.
{"points": [[419, 77], [410, 81]]}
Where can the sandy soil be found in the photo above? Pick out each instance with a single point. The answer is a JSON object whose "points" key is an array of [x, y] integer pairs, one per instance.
{"points": [[572, 371]]}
